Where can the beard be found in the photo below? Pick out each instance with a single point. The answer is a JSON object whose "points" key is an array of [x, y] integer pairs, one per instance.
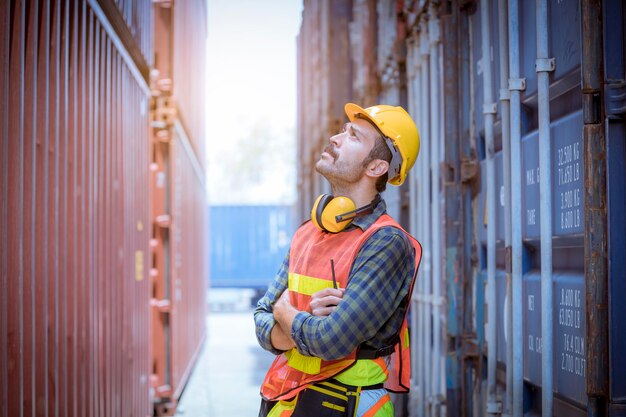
{"points": [[339, 171]]}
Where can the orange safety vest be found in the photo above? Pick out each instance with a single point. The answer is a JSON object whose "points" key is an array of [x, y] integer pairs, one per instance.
{"points": [[309, 271]]}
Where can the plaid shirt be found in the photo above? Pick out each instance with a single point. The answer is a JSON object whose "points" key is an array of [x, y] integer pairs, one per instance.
{"points": [[371, 308]]}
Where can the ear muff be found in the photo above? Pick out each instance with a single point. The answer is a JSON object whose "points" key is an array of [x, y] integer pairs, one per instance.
{"points": [[327, 208]]}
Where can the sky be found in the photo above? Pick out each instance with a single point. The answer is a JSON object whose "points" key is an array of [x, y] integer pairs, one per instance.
{"points": [[251, 101]]}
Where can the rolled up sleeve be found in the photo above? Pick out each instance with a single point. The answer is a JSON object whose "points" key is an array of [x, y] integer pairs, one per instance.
{"points": [[263, 314]]}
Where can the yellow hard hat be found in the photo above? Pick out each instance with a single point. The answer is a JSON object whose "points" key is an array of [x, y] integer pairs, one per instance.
{"points": [[399, 131]]}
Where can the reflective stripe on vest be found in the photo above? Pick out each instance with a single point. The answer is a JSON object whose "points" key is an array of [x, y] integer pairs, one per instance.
{"points": [[310, 271]]}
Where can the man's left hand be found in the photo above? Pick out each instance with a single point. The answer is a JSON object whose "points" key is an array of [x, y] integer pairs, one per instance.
{"points": [[325, 301]]}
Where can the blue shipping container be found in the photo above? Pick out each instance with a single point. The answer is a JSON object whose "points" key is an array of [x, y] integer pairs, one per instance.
{"points": [[248, 244]]}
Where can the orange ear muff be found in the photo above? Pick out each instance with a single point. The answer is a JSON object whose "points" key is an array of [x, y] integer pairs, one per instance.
{"points": [[318, 208], [327, 208]]}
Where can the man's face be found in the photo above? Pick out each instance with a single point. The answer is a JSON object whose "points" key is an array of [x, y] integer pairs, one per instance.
{"points": [[342, 159]]}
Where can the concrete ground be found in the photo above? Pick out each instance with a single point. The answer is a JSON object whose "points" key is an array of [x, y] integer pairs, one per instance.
{"points": [[226, 379]]}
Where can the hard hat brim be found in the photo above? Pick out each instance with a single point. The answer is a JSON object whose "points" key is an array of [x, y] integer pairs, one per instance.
{"points": [[352, 110]]}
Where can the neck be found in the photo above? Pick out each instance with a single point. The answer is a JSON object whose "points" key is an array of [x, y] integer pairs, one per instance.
{"points": [[361, 195]]}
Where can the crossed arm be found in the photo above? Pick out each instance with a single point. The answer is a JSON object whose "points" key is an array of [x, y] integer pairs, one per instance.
{"points": [[322, 303]]}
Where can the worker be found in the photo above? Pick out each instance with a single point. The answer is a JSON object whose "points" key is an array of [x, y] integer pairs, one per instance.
{"points": [[335, 314]]}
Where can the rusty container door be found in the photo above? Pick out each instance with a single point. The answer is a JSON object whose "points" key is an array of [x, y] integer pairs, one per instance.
{"points": [[324, 85], [178, 243], [74, 214]]}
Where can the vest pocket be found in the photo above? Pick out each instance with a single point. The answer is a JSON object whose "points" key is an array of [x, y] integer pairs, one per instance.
{"points": [[325, 400]]}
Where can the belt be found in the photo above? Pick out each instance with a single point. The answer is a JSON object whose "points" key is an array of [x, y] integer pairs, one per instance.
{"points": [[368, 352]]}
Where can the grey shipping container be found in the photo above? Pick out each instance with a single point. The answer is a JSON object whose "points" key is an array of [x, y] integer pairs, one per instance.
{"points": [[501, 91]]}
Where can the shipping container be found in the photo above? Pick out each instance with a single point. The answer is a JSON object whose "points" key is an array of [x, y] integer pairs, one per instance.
{"points": [[77, 269], [516, 195], [179, 199], [180, 32], [74, 228], [324, 85], [249, 244]]}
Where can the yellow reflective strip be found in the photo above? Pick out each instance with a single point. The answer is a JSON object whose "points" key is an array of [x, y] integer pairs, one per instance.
{"points": [[333, 406], [328, 392], [406, 338], [307, 285], [307, 364], [282, 407], [358, 398]]}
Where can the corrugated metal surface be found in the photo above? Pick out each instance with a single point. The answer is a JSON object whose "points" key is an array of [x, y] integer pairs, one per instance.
{"points": [[190, 31], [179, 70], [324, 84], [615, 55], [567, 203], [74, 217], [248, 244], [363, 34], [75, 223], [441, 78], [189, 261], [392, 81], [179, 241], [138, 16]]}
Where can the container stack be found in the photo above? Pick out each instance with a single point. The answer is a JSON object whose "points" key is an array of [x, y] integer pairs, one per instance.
{"points": [[179, 216], [517, 195], [92, 240]]}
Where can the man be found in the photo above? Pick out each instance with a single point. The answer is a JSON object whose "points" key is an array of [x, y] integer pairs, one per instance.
{"points": [[335, 315]]}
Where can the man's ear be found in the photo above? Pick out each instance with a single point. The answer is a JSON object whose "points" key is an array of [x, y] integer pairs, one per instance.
{"points": [[377, 168]]}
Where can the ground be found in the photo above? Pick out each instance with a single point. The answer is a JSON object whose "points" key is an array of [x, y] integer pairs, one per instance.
{"points": [[227, 377]]}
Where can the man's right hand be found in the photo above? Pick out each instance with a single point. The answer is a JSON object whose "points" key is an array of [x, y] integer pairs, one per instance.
{"points": [[325, 301]]}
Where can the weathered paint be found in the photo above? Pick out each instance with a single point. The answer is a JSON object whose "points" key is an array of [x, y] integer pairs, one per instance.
{"points": [[76, 262], [615, 76], [596, 262], [179, 245], [572, 30], [75, 145], [454, 191], [324, 86]]}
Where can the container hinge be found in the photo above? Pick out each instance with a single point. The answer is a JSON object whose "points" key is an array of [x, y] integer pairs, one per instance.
{"points": [[517, 84], [163, 220], [167, 4], [615, 91], [164, 305], [545, 64], [470, 347], [469, 170], [505, 94], [494, 407], [164, 112], [591, 107], [163, 390], [447, 173], [509, 260]]}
